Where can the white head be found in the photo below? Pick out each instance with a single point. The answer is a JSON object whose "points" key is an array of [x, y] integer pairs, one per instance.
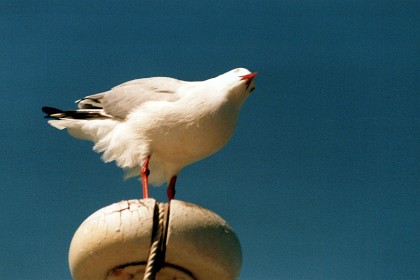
{"points": [[238, 83]]}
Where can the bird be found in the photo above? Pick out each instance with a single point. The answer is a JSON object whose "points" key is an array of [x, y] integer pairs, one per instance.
{"points": [[154, 127]]}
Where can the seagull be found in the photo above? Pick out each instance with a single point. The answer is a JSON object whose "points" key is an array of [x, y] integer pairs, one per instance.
{"points": [[154, 127]]}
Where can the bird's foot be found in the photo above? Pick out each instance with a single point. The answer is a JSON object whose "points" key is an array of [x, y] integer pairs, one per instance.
{"points": [[144, 172], [171, 189]]}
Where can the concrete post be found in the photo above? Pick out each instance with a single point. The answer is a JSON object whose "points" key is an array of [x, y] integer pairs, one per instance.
{"points": [[117, 241]]}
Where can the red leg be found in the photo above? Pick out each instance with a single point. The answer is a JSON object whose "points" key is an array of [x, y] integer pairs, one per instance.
{"points": [[171, 189], [144, 172]]}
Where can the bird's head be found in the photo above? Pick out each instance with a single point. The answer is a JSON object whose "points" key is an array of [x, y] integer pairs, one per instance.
{"points": [[238, 83]]}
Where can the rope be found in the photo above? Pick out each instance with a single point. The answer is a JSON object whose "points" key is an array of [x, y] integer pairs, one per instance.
{"points": [[153, 263]]}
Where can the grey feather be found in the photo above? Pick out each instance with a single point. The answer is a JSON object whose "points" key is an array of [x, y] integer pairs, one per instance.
{"points": [[124, 98]]}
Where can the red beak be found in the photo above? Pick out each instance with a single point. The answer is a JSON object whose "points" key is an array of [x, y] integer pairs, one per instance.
{"points": [[249, 76]]}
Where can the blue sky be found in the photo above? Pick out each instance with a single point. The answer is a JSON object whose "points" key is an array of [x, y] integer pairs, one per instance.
{"points": [[321, 179]]}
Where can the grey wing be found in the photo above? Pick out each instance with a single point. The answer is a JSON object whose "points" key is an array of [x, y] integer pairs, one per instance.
{"points": [[91, 101], [122, 99]]}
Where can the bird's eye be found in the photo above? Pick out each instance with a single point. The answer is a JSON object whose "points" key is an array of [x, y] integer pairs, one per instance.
{"points": [[252, 89]]}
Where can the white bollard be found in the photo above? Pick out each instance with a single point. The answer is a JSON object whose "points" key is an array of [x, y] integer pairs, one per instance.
{"points": [[116, 243]]}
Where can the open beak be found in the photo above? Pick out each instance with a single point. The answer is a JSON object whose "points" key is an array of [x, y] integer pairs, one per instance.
{"points": [[249, 78]]}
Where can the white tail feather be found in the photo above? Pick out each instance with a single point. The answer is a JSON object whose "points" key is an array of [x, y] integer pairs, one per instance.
{"points": [[92, 130]]}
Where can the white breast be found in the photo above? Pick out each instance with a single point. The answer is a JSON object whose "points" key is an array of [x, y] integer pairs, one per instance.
{"points": [[175, 138]]}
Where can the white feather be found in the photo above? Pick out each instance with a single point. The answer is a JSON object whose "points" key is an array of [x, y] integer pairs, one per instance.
{"points": [[175, 122]]}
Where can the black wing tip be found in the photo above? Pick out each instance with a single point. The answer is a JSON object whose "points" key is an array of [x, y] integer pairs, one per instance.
{"points": [[50, 111], [54, 113]]}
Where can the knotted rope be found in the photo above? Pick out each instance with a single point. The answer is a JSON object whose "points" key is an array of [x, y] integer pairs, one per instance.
{"points": [[156, 255]]}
